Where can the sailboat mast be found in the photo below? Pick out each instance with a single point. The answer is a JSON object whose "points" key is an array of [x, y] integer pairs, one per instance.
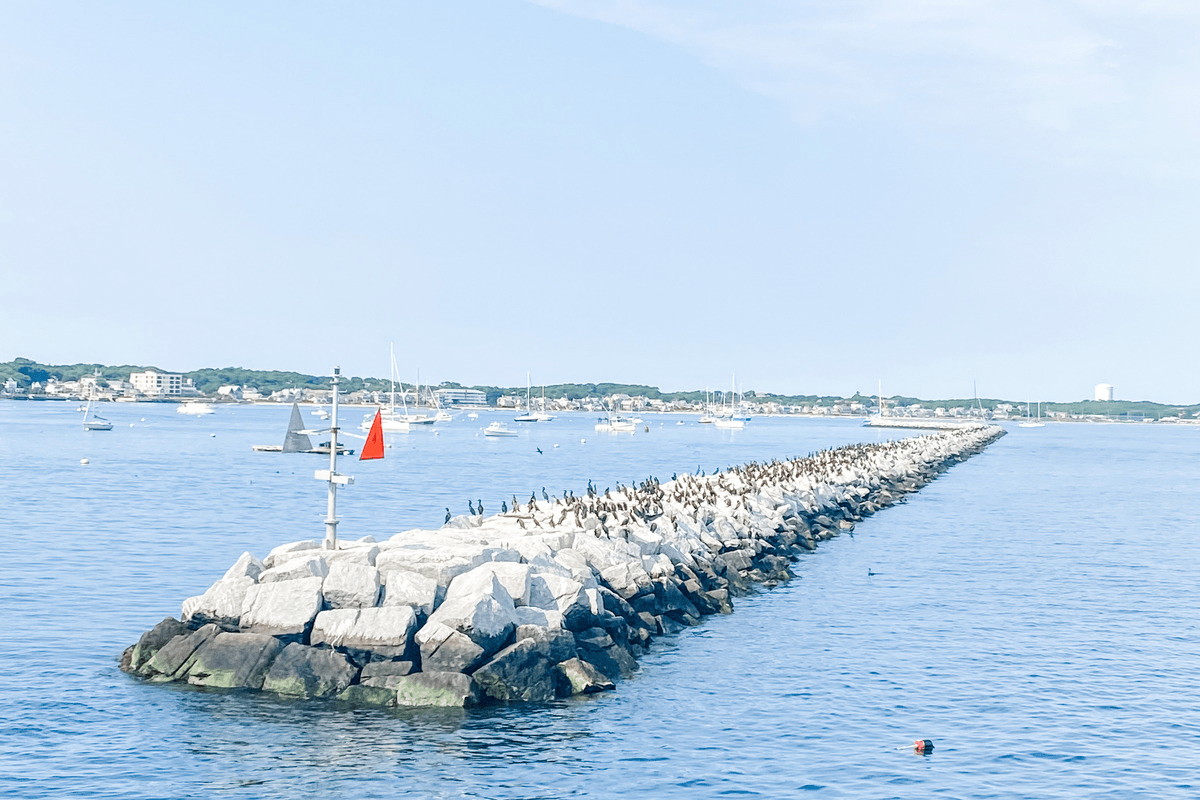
{"points": [[331, 520]]}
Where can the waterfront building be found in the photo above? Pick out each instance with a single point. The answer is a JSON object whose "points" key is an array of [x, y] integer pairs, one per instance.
{"points": [[156, 384], [461, 397]]}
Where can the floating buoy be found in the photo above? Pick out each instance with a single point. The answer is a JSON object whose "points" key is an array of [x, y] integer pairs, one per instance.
{"points": [[583, 442], [923, 746], [212, 435], [83, 460]]}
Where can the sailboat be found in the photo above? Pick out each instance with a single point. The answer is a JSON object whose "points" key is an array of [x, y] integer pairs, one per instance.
{"points": [[707, 417], [734, 418], [394, 421], [94, 422], [530, 416], [296, 440], [1031, 423]]}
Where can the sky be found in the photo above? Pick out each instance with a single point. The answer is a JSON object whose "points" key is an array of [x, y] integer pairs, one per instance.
{"points": [[819, 197]]}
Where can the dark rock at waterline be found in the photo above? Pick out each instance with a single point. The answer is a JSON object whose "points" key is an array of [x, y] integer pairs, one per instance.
{"points": [[172, 661], [438, 688], [232, 660], [447, 650], [150, 643], [582, 677], [306, 672], [520, 672], [368, 695]]}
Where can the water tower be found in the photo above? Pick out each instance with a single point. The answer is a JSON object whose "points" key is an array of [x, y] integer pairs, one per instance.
{"points": [[1104, 392]]}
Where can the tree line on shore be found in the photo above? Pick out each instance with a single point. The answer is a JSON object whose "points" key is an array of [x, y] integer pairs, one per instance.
{"points": [[25, 372]]}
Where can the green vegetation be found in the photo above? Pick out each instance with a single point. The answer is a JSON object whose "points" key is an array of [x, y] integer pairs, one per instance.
{"points": [[208, 380]]}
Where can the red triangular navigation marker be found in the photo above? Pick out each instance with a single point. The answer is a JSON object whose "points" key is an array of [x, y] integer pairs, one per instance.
{"points": [[373, 449]]}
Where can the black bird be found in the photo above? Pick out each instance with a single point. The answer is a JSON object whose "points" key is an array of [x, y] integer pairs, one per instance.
{"points": [[545, 495], [447, 514], [871, 572], [539, 450], [480, 503], [471, 506], [503, 507]]}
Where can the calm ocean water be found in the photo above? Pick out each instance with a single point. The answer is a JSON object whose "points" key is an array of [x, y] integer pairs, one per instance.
{"points": [[1035, 614]]}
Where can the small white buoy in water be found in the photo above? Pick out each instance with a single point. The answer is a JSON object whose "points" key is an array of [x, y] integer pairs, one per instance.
{"points": [[83, 460], [556, 444], [131, 425], [143, 420], [212, 435], [583, 442]]}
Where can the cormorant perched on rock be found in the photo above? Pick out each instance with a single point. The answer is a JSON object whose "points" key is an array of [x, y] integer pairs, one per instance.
{"points": [[503, 507], [545, 496], [471, 506], [447, 514], [479, 503]]}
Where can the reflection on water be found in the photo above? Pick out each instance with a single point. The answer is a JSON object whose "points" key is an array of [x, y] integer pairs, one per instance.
{"points": [[1032, 612]]}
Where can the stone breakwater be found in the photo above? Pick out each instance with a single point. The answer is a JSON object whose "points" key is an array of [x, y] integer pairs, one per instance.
{"points": [[555, 597]]}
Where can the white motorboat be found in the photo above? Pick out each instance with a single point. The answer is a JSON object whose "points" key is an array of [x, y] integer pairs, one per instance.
{"points": [[614, 423], [498, 429], [194, 408]]}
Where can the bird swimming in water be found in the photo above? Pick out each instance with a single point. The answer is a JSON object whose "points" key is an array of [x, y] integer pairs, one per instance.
{"points": [[871, 572], [539, 450]]}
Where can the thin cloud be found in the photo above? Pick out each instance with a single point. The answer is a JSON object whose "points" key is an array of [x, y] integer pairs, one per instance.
{"points": [[1092, 81]]}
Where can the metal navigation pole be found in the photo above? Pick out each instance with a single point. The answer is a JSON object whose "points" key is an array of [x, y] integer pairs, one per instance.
{"points": [[331, 475]]}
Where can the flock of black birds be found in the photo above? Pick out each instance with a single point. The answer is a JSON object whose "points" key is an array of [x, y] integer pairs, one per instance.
{"points": [[645, 502]]}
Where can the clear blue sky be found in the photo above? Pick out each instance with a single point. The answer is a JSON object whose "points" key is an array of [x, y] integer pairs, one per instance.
{"points": [[815, 195]]}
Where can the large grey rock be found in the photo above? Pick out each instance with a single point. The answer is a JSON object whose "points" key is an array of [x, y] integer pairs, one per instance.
{"points": [[351, 585], [306, 672], [245, 567], [583, 677], [173, 659], [305, 566], [551, 591], [409, 588], [289, 550], [364, 695], [221, 603], [234, 660], [282, 608], [627, 579], [557, 644], [447, 650], [483, 611], [544, 618], [386, 631], [438, 689], [384, 674], [512, 576], [520, 672], [154, 639]]}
